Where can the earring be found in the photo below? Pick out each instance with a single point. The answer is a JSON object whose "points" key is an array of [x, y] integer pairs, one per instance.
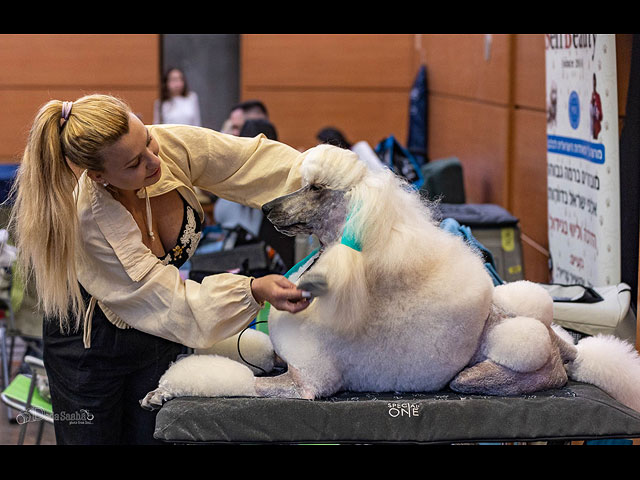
{"points": [[105, 184]]}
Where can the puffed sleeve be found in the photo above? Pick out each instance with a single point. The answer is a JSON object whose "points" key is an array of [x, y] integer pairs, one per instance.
{"points": [[250, 171]]}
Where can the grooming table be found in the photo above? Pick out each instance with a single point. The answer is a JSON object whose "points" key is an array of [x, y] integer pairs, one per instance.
{"points": [[578, 411]]}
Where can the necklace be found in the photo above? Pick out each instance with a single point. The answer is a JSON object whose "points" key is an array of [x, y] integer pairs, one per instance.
{"points": [[149, 219]]}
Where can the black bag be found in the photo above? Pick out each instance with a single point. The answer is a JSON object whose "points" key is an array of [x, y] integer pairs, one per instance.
{"points": [[400, 161], [249, 259]]}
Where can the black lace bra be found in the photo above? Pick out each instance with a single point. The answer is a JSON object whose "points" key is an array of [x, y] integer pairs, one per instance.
{"points": [[187, 239]]}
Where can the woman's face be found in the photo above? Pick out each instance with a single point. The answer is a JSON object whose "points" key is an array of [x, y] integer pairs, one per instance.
{"points": [[132, 162], [175, 83]]}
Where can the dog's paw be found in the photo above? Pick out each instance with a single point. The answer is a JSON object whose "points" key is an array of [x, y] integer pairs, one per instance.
{"points": [[155, 399]]}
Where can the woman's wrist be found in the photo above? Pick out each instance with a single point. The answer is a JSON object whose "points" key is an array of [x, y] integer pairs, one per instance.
{"points": [[256, 291]]}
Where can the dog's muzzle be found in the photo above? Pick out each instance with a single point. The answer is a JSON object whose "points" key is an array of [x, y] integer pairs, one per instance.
{"points": [[281, 222]]}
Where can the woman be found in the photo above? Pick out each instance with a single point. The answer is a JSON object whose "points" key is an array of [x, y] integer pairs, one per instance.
{"points": [[177, 104], [104, 250]]}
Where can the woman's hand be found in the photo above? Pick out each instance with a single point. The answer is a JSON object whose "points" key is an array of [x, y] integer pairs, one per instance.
{"points": [[280, 293]]}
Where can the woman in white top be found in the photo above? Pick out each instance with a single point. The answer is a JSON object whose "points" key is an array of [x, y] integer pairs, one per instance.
{"points": [[105, 249], [177, 104]]}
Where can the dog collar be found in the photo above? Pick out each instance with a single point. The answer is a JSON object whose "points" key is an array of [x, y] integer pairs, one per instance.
{"points": [[349, 237], [304, 264]]}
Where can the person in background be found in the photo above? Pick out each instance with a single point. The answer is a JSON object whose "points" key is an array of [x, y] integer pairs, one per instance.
{"points": [[333, 136], [256, 126], [177, 104], [248, 110], [230, 214]]}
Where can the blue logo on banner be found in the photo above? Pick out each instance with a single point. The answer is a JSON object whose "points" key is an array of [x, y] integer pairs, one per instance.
{"points": [[574, 110], [574, 147]]}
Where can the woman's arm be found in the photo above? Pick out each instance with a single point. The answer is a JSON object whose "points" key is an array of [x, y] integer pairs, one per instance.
{"points": [[249, 171]]}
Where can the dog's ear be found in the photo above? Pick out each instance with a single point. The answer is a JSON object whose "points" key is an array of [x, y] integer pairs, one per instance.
{"points": [[344, 306]]}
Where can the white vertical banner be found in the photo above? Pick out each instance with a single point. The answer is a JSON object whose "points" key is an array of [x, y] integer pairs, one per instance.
{"points": [[583, 183]]}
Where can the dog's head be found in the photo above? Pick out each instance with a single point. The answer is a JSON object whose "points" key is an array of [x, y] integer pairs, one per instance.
{"points": [[321, 206]]}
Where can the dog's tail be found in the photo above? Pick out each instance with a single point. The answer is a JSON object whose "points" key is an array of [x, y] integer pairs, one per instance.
{"points": [[611, 364]]}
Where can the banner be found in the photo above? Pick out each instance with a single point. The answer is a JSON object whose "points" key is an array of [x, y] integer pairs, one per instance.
{"points": [[583, 183]]}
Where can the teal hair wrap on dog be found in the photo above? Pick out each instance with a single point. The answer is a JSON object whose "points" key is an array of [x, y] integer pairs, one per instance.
{"points": [[349, 237]]}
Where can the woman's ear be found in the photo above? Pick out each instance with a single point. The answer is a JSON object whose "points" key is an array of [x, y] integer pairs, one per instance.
{"points": [[96, 176]]}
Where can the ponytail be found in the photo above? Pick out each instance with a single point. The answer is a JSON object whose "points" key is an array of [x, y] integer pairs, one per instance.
{"points": [[44, 220]]}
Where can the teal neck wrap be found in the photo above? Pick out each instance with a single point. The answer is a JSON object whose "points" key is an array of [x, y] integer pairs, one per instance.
{"points": [[349, 239]]}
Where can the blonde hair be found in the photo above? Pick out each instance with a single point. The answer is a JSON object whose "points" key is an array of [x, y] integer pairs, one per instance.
{"points": [[44, 221]]}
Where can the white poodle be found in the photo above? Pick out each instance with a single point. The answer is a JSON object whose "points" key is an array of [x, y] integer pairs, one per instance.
{"points": [[401, 305]]}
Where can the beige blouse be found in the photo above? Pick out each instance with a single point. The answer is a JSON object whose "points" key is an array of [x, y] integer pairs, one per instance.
{"points": [[131, 285]]}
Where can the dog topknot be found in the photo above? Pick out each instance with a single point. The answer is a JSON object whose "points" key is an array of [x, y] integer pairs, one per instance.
{"points": [[332, 167]]}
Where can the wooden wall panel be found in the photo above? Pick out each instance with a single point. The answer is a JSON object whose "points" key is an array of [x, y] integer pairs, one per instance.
{"points": [[476, 133], [37, 68], [528, 155], [79, 60], [529, 174], [368, 115], [327, 60], [624, 42], [528, 187], [359, 83], [458, 65], [529, 71]]}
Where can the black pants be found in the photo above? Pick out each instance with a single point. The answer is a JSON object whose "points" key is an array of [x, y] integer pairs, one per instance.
{"points": [[95, 392]]}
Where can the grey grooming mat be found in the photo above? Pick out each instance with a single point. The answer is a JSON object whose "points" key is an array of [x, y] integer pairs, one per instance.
{"points": [[577, 411]]}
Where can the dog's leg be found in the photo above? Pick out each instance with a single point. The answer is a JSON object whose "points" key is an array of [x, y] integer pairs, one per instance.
{"points": [[324, 381], [287, 385], [490, 378], [519, 355], [255, 347], [201, 376]]}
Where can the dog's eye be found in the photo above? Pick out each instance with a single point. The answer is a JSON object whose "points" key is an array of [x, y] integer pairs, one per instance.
{"points": [[315, 188]]}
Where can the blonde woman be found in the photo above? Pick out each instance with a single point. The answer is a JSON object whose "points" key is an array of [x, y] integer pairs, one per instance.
{"points": [[105, 213]]}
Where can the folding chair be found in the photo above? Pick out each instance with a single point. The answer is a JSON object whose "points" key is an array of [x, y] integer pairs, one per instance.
{"points": [[24, 395], [7, 322]]}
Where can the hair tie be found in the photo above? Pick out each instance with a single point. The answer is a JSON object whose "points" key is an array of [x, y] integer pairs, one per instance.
{"points": [[66, 111]]}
